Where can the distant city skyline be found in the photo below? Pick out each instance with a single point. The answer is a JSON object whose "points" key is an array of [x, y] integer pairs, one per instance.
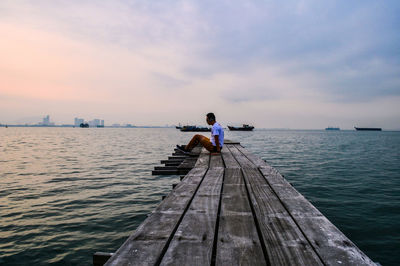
{"points": [[46, 121], [100, 123], [298, 64]]}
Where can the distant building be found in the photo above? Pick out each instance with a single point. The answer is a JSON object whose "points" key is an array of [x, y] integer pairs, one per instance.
{"points": [[92, 123], [96, 123], [78, 121], [46, 121]]}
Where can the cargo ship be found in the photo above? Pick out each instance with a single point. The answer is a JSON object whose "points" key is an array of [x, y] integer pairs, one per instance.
{"points": [[194, 129], [332, 128], [243, 128], [368, 128]]}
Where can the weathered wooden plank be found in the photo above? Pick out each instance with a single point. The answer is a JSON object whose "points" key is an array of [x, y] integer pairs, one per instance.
{"points": [[165, 168], [253, 158], [216, 161], [177, 157], [179, 153], [172, 161], [273, 176], [165, 172], [228, 141], [229, 160], [234, 196], [285, 243], [176, 164], [197, 149], [243, 161], [146, 244], [294, 202], [203, 160], [238, 241], [193, 242], [332, 246], [188, 163], [330, 243]]}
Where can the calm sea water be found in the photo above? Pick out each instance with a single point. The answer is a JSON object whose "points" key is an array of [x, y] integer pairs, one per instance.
{"points": [[66, 193]]}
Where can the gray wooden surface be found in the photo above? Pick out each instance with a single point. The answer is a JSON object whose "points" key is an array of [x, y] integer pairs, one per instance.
{"points": [[193, 242], [238, 241], [235, 209]]}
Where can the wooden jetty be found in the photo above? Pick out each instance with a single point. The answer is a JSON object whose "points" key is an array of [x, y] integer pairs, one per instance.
{"points": [[234, 209]]}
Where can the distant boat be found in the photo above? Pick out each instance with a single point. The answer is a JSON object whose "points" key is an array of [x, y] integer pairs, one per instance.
{"points": [[332, 128], [194, 129], [84, 125], [243, 128], [368, 128]]}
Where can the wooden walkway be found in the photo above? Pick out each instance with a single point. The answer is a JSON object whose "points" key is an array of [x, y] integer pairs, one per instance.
{"points": [[235, 209]]}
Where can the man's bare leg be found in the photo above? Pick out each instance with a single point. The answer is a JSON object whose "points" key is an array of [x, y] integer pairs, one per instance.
{"points": [[193, 142], [204, 141]]}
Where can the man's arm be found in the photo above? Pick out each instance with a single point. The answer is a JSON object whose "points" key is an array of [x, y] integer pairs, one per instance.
{"points": [[216, 138]]}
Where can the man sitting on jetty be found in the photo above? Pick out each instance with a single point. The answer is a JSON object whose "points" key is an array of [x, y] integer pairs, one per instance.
{"points": [[213, 145]]}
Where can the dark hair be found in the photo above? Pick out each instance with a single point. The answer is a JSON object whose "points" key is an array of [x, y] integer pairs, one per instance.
{"points": [[211, 116]]}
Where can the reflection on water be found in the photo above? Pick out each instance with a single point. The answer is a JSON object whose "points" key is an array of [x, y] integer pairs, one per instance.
{"points": [[67, 192]]}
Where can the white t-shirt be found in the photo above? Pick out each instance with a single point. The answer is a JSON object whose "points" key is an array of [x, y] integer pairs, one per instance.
{"points": [[217, 130]]}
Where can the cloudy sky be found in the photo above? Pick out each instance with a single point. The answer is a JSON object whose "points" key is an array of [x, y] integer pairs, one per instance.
{"points": [[296, 64]]}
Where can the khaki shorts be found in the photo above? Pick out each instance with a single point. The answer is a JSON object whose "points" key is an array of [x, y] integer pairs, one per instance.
{"points": [[206, 142]]}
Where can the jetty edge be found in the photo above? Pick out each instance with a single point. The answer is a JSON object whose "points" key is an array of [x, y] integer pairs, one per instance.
{"points": [[235, 209]]}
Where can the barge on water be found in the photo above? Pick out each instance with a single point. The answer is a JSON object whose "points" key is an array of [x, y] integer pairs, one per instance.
{"points": [[195, 129], [243, 128], [368, 128]]}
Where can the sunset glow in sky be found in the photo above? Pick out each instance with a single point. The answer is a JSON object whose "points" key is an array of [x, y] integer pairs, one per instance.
{"points": [[297, 64]]}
